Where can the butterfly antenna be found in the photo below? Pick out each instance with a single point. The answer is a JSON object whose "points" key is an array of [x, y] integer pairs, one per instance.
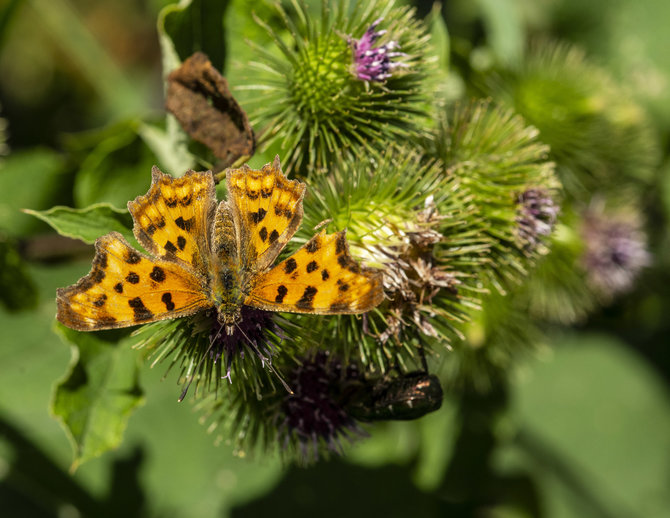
{"points": [[197, 367], [265, 360]]}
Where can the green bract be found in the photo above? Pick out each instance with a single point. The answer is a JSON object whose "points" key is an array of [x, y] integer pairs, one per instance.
{"points": [[308, 104]]}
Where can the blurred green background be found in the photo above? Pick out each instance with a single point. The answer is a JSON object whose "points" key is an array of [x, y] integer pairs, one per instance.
{"points": [[582, 430]]}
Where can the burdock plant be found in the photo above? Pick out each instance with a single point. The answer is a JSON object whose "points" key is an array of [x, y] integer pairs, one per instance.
{"points": [[420, 228], [349, 80], [309, 422], [496, 155]]}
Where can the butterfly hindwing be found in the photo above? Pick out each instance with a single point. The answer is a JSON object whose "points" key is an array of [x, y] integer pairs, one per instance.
{"points": [[173, 220], [126, 288], [267, 208], [321, 277]]}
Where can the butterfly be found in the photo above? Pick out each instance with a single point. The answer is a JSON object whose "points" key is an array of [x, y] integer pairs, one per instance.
{"points": [[203, 256]]}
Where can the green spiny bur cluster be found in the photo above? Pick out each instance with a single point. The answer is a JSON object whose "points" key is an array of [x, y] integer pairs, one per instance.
{"points": [[309, 104]]}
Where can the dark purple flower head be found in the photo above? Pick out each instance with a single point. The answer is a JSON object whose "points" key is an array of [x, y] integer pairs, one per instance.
{"points": [[374, 63], [315, 413], [615, 251], [536, 216], [251, 333], [254, 332]]}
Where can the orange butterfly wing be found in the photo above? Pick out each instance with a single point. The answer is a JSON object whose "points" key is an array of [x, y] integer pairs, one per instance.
{"points": [[321, 277], [267, 210], [173, 220], [126, 288]]}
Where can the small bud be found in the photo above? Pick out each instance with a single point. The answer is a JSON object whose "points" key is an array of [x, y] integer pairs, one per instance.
{"points": [[536, 217]]}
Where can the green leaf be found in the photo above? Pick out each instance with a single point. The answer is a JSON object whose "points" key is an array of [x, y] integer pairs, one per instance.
{"points": [[504, 24], [170, 146], [439, 36], [87, 224], [117, 169], [594, 426], [191, 26], [17, 289], [98, 393], [28, 179], [438, 435]]}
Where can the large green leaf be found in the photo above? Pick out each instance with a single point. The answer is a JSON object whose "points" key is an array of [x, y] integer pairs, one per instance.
{"points": [[594, 427], [87, 224], [98, 393]]}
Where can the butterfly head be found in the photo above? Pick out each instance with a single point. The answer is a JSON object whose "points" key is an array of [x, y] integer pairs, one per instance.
{"points": [[229, 315]]}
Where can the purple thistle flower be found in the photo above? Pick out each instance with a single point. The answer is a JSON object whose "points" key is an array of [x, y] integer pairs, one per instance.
{"points": [[536, 216], [315, 412], [615, 251], [374, 63]]}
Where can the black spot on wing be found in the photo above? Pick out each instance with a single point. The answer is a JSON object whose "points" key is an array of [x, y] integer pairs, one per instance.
{"points": [[100, 301], [133, 278], [257, 216], [324, 274], [181, 242], [281, 293], [151, 229], [139, 309], [290, 265], [167, 300], [313, 245], [283, 212], [263, 233], [184, 224], [274, 235], [307, 299], [311, 266], [160, 223], [118, 287], [133, 257], [157, 274], [170, 248], [186, 200], [171, 202]]}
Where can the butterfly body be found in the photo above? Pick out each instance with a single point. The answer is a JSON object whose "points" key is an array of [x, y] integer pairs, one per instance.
{"points": [[204, 256]]}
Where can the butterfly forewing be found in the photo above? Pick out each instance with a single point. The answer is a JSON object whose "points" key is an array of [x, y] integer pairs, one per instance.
{"points": [[268, 211], [173, 220], [321, 277], [126, 288]]}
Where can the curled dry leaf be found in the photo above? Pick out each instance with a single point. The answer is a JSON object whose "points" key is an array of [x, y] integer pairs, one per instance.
{"points": [[199, 97]]}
